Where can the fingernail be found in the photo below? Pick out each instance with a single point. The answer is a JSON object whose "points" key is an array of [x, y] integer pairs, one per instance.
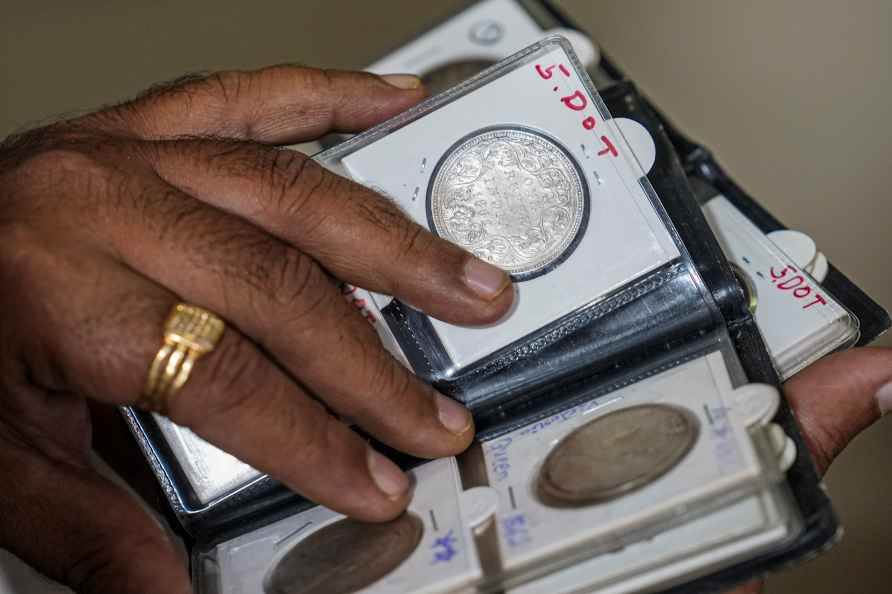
{"points": [[884, 399], [406, 82], [453, 415], [483, 278], [387, 475]]}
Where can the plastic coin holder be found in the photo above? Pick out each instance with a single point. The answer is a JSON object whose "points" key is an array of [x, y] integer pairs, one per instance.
{"points": [[475, 39], [799, 320], [521, 161], [444, 559], [724, 501]]}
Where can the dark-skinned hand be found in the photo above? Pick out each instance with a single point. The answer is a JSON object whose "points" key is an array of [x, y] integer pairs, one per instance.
{"points": [[834, 400], [108, 220]]}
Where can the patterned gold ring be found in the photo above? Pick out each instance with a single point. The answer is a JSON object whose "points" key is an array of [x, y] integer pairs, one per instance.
{"points": [[189, 333]]}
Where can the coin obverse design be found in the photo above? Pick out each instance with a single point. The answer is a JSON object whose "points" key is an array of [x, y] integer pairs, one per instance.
{"points": [[450, 74], [616, 454], [511, 196], [345, 557]]}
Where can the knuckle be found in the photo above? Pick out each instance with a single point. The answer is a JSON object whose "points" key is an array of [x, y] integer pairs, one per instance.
{"points": [[297, 184], [59, 165], [294, 279], [102, 563], [225, 394], [19, 148], [385, 381], [93, 566], [310, 437], [229, 85], [221, 88], [380, 212], [301, 290], [827, 441], [414, 242], [25, 259]]}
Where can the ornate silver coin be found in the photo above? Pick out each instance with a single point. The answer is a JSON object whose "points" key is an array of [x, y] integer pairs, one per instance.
{"points": [[512, 197], [615, 454], [345, 556], [450, 74]]}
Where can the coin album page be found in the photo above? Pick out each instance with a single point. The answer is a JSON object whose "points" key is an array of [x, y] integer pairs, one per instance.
{"points": [[700, 489], [524, 168]]}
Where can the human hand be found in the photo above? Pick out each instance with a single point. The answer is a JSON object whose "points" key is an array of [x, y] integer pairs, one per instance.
{"points": [[108, 220], [834, 400]]}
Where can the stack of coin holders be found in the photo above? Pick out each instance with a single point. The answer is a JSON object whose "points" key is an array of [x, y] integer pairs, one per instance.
{"points": [[631, 433]]}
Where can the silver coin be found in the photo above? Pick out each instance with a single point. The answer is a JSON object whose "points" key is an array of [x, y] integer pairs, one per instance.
{"points": [[345, 557], [450, 74], [512, 197], [616, 454], [749, 287]]}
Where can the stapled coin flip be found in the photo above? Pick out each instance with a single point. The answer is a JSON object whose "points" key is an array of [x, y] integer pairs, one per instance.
{"points": [[800, 321], [528, 172]]}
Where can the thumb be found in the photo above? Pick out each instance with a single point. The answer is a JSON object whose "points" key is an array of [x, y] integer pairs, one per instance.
{"points": [[840, 396], [80, 529]]}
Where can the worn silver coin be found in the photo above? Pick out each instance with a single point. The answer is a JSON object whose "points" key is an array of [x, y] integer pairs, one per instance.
{"points": [[512, 197], [345, 557], [452, 73], [616, 454]]}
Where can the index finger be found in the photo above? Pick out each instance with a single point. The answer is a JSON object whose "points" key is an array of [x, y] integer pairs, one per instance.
{"points": [[274, 105], [356, 234]]}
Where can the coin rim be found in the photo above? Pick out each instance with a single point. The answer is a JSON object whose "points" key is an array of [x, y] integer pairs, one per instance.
{"points": [[551, 496], [277, 559], [586, 202]]}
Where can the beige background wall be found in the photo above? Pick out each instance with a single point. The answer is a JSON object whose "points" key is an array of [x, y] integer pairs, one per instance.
{"points": [[794, 96]]}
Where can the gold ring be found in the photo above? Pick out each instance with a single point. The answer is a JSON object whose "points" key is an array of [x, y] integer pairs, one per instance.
{"points": [[189, 333]]}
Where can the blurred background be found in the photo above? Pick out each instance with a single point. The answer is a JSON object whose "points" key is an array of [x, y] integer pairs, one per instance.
{"points": [[793, 96]]}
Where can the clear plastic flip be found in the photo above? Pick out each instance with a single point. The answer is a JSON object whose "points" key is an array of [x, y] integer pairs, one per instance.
{"points": [[523, 166], [799, 320]]}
